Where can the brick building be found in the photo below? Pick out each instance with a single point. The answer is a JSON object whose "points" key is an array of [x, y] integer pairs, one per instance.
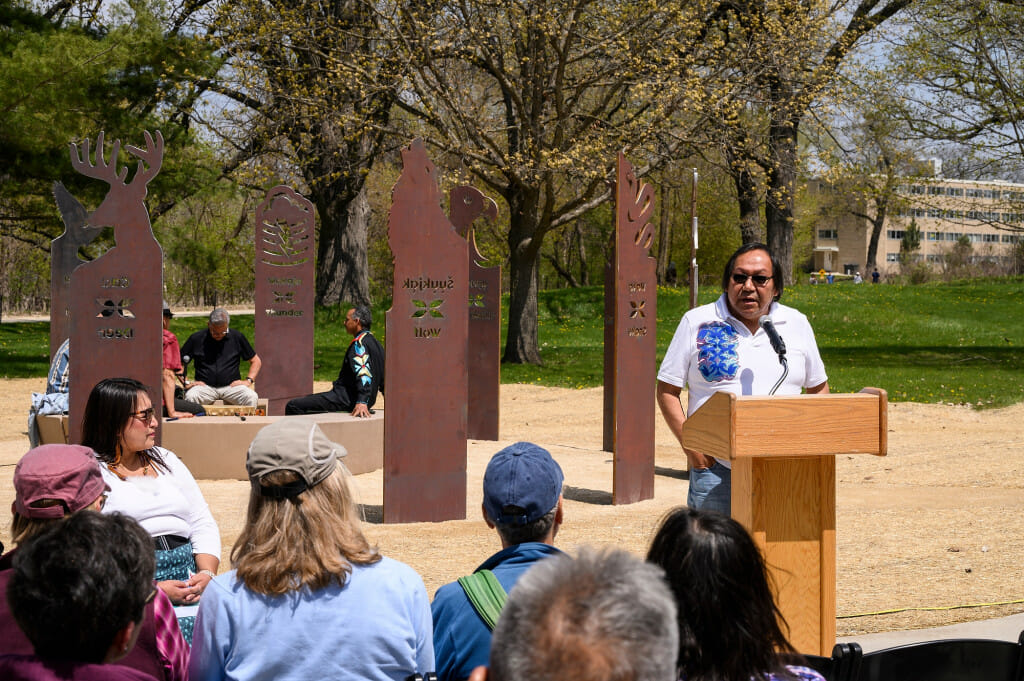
{"points": [[989, 214]]}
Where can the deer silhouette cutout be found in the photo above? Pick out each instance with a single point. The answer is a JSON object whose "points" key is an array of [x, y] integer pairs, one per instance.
{"points": [[124, 207], [115, 299]]}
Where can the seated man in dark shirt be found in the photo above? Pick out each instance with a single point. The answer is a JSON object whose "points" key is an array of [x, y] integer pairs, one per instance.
{"points": [[217, 352], [361, 375]]}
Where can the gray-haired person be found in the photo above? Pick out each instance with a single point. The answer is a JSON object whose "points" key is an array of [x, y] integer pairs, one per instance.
{"points": [[217, 352], [602, 615], [361, 376]]}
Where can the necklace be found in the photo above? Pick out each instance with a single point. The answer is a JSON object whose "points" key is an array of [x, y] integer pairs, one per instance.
{"points": [[116, 463]]}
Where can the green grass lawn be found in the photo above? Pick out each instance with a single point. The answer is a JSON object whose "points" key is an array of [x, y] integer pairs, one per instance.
{"points": [[957, 343]]}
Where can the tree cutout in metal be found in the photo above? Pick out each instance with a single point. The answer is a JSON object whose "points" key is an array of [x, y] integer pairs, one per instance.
{"points": [[631, 305], [466, 204], [284, 296], [427, 325], [116, 300], [64, 260]]}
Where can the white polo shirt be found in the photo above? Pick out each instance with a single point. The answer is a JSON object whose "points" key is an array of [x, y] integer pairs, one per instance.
{"points": [[712, 350]]}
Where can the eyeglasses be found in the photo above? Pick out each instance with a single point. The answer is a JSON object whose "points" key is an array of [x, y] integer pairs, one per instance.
{"points": [[146, 415], [760, 280], [102, 501]]}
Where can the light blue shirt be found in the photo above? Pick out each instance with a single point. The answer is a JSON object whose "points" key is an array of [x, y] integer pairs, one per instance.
{"points": [[376, 627]]}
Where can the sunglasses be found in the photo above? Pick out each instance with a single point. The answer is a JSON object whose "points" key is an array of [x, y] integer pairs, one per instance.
{"points": [[760, 280], [146, 415]]}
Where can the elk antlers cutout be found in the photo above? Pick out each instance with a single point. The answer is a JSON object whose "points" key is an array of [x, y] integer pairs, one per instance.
{"points": [[150, 160]]}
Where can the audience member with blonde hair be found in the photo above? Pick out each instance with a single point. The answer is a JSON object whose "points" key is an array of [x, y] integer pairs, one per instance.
{"points": [[309, 597], [52, 483]]}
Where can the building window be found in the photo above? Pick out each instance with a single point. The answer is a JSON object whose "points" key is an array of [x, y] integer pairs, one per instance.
{"points": [[990, 238], [892, 257], [934, 257], [829, 234], [896, 234], [934, 236]]}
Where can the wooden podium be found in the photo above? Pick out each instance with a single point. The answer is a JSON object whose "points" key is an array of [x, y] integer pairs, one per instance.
{"points": [[782, 451]]}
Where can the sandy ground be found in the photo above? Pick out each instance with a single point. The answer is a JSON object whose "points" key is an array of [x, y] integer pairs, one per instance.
{"points": [[935, 529]]}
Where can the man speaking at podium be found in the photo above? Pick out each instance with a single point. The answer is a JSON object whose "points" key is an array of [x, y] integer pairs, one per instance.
{"points": [[745, 343]]}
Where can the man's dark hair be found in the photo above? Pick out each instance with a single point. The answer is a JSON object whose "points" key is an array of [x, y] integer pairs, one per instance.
{"points": [[363, 314], [747, 248], [535, 531], [78, 583]]}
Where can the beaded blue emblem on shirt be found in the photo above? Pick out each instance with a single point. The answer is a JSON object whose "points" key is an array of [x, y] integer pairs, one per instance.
{"points": [[717, 359]]}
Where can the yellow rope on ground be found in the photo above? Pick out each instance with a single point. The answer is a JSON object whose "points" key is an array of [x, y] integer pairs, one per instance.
{"points": [[936, 607]]}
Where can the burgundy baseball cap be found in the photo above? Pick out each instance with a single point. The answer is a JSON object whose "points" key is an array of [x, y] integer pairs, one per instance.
{"points": [[69, 474]]}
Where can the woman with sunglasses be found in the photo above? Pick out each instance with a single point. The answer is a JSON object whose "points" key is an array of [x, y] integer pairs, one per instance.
{"points": [[723, 346], [152, 485]]}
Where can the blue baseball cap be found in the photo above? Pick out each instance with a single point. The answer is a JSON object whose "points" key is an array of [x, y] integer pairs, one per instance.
{"points": [[522, 484]]}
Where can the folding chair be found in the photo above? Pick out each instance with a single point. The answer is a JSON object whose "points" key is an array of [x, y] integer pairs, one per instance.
{"points": [[950, 660]]}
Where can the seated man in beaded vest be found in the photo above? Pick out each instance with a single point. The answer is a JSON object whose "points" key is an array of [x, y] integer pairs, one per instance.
{"points": [[361, 376], [217, 352]]}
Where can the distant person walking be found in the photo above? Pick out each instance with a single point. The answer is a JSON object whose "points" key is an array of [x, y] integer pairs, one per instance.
{"points": [[875, 276]]}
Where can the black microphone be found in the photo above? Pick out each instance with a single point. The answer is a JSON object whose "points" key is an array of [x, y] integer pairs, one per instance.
{"points": [[765, 323]]}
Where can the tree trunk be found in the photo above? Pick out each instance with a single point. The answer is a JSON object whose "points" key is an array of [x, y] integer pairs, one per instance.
{"points": [[778, 208], [749, 201], [876, 232], [342, 270], [664, 235], [521, 342], [581, 252]]}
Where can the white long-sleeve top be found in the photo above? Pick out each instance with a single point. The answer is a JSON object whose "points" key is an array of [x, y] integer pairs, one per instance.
{"points": [[170, 503]]}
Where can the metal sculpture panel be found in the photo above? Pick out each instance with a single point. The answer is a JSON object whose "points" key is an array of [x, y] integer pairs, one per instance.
{"points": [[633, 310], [284, 296], [425, 424], [64, 260], [116, 300], [466, 204]]}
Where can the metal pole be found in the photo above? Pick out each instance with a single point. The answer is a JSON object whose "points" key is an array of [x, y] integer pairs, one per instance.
{"points": [[693, 242]]}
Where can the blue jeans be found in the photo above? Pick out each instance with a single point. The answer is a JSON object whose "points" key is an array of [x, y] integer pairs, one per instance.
{"points": [[711, 489]]}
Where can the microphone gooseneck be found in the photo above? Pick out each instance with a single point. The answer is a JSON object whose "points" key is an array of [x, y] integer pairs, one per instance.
{"points": [[778, 345]]}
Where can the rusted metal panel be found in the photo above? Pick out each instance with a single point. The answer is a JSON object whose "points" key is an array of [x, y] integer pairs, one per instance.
{"points": [[116, 300], [427, 326], [63, 261], [635, 338], [466, 204], [284, 296]]}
